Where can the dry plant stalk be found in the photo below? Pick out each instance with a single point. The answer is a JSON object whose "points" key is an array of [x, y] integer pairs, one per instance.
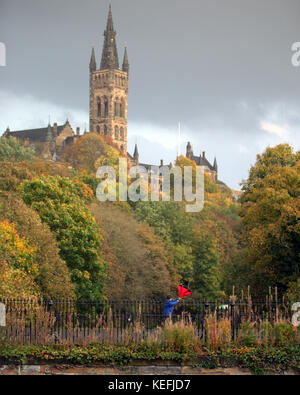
{"points": [[217, 332]]}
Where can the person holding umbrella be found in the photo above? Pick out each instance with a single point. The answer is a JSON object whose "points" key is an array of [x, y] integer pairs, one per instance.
{"points": [[169, 306], [170, 302]]}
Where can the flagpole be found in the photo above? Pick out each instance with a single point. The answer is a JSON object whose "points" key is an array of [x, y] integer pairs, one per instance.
{"points": [[179, 138]]}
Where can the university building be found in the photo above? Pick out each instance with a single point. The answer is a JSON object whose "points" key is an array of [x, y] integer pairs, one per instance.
{"points": [[108, 98]]}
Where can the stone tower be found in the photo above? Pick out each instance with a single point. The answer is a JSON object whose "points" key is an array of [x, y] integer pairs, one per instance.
{"points": [[109, 90]]}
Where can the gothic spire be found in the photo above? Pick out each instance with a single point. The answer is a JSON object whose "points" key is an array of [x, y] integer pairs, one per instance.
{"points": [[109, 58], [125, 66], [136, 153], [93, 60], [215, 166]]}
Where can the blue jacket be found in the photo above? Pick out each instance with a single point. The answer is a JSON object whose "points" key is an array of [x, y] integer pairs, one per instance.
{"points": [[169, 306]]}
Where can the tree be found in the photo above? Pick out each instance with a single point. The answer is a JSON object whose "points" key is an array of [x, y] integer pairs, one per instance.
{"points": [[270, 215], [52, 276], [90, 148], [11, 149], [139, 265], [206, 265], [60, 203], [18, 267]]}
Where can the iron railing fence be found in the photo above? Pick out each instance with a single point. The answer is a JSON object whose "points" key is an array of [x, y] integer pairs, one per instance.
{"points": [[53, 321]]}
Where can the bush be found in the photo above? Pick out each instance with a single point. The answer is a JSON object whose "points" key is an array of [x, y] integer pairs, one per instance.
{"points": [[180, 336], [283, 333], [217, 332], [247, 336]]}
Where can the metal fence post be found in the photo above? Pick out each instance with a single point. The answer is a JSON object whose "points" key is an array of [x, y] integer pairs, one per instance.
{"points": [[232, 320]]}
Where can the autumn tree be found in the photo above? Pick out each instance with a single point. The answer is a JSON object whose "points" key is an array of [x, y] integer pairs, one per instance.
{"points": [[60, 203], [206, 275], [52, 276], [91, 151], [270, 215], [11, 149], [139, 265]]}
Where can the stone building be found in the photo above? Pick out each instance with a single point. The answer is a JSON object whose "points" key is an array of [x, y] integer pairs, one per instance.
{"points": [[109, 90], [49, 142], [201, 160]]}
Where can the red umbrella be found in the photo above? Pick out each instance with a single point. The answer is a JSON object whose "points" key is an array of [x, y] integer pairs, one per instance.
{"points": [[183, 292]]}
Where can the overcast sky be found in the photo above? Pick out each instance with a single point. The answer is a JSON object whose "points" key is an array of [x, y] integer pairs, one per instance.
{"points": [[220, 67]]}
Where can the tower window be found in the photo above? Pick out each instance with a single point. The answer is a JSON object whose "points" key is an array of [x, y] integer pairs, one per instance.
{"points": [[116, 132], [106, 108], [105, 130], [98, 129], [99, 108], [122, 134]]}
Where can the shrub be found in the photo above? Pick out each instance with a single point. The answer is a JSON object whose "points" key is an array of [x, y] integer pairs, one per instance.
{"points": [[180, 336], [217, 332], [247, 336], [283, 333]]}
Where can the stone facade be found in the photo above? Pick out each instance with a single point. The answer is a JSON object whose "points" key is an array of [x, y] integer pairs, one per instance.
{"points": [[201, 160], [109, 90], [49, 142]]}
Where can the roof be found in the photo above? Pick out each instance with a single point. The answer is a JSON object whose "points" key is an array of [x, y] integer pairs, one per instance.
{"points": [[202, 161], [36, 135]]}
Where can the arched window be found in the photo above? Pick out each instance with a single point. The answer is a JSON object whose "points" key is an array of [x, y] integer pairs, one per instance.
{"points": [[122, 108], [105, 107], [105, 130], [99, 107], [122, 134], [98, 129], [116, 133]]}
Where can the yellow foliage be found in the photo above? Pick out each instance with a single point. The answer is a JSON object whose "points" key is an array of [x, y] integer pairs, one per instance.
{"points": [[17, 249]]}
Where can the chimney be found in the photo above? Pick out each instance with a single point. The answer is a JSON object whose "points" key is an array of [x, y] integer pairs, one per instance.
{"points": [[55, 129], [78, 131], [161, 162]]}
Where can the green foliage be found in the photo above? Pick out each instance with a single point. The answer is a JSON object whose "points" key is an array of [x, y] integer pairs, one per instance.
{"points": [[180, 336], [247, 336], [270, 215], [139, 263], [283, 333], [11, 149], [200, 260], [52, 276], [60, 203], [205, 267], [91, 151], [257, 359]]}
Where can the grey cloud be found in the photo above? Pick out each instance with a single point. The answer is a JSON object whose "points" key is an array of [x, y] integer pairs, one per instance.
{"points": [[220, 67]]}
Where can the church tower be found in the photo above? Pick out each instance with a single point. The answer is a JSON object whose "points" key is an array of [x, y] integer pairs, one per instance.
{"points": [[109, 90]]}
